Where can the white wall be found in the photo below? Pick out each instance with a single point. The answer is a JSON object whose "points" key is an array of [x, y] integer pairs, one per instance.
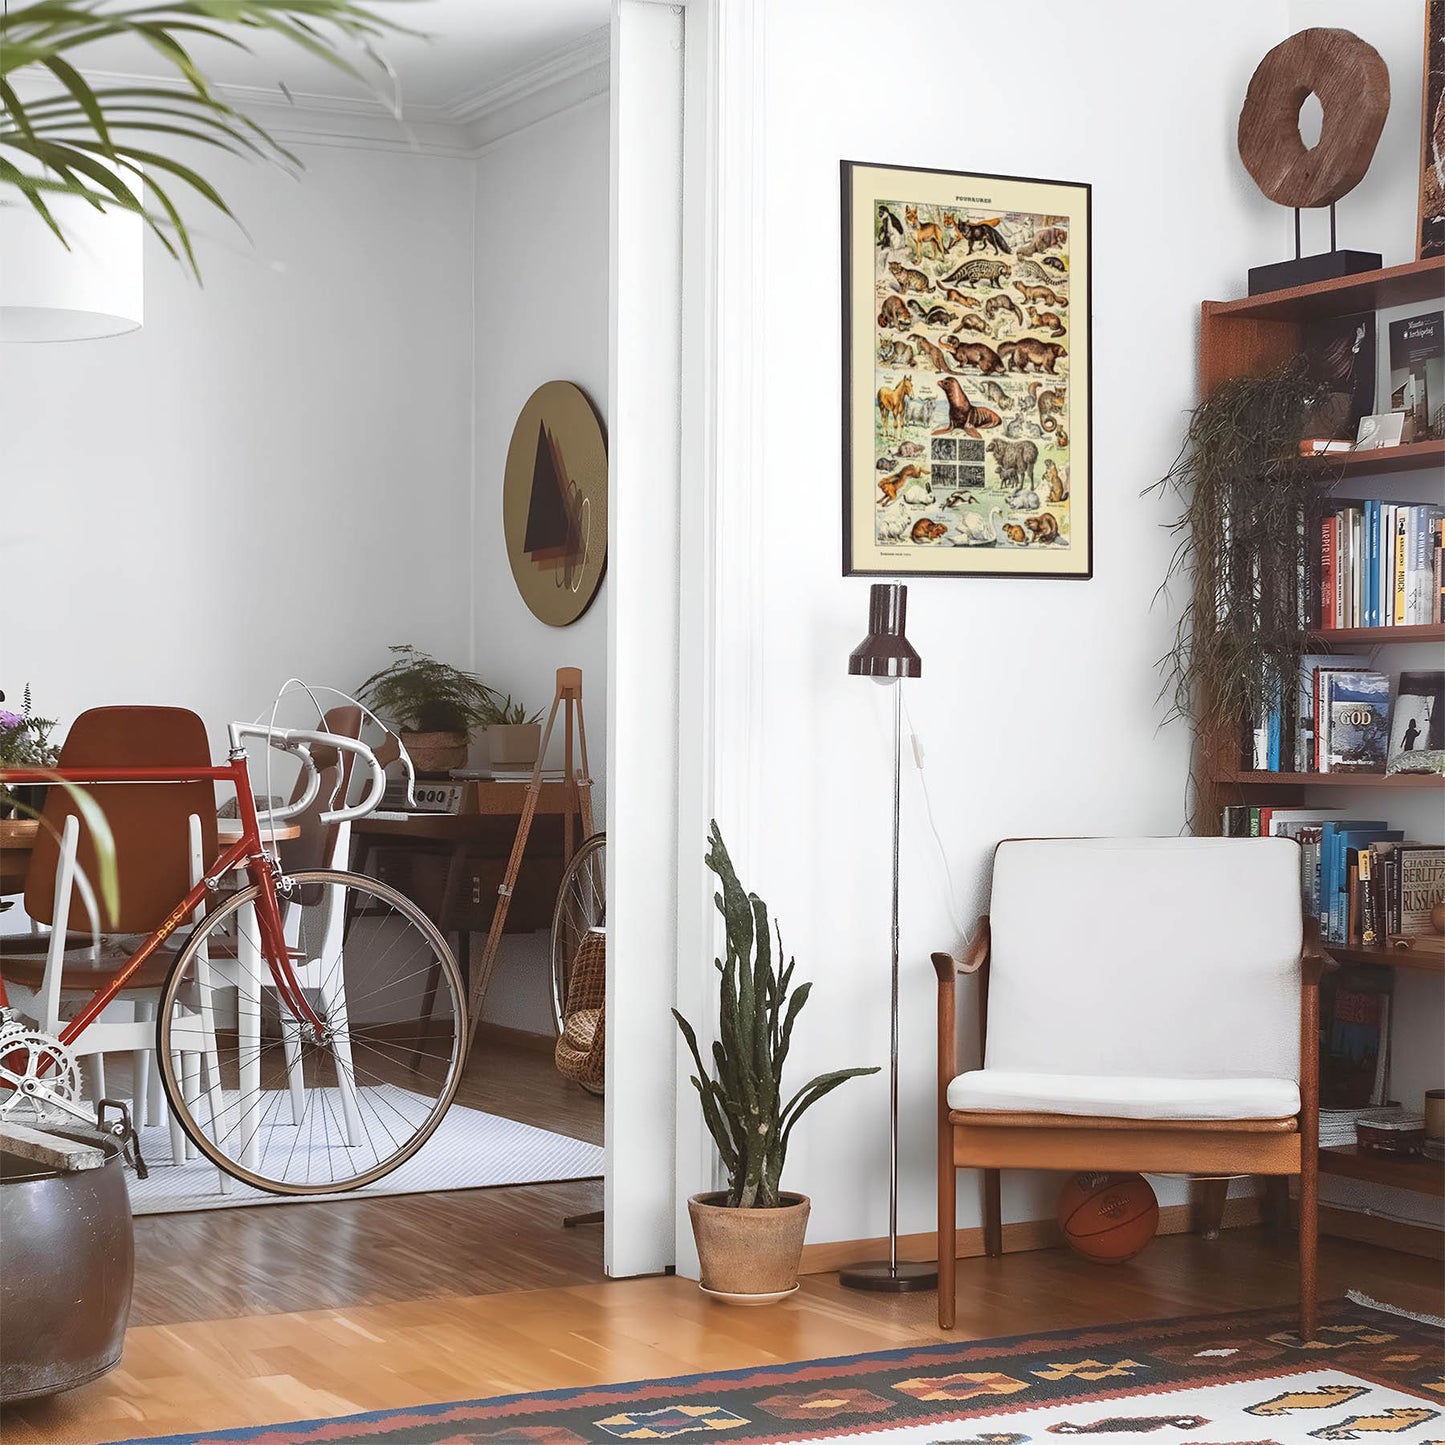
{"points": [[302, 421], [541, 277], [1037, 708]]}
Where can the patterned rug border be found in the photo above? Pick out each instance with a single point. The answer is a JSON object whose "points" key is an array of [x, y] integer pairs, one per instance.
{"points": [[962, 1352]]}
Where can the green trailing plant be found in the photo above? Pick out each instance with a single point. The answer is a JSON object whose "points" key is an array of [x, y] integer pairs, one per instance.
{"points": [[70, 137], [1241, 547], [742, 1100], [417, 692]]}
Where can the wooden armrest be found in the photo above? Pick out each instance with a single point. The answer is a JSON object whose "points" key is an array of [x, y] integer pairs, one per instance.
{"points": [[974, 958]]}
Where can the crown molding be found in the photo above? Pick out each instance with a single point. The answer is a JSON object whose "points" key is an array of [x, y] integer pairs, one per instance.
{"points": [[567, 77]]}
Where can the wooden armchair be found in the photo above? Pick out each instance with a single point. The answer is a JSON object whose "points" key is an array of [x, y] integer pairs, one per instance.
{"points": [[1145, 1004]]}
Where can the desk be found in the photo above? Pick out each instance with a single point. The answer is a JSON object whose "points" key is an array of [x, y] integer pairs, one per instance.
{"points": [[451, 864]]}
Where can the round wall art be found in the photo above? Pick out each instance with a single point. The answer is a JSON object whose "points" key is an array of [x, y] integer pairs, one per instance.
{"points": [[554, 503]]}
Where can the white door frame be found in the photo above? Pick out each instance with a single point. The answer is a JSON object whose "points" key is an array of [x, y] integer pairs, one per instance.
{"points": [[684, 597]]}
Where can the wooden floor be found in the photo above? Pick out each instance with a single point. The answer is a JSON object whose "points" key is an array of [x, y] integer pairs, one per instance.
{"points": [[266, 1369], [226, 1263], [257, 1316]]}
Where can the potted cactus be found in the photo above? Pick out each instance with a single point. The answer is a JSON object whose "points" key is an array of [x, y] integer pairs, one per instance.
{"points": [[750, 1235]]}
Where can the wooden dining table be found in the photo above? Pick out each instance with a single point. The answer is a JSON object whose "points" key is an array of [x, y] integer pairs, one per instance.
{"points": [[18, 835]]}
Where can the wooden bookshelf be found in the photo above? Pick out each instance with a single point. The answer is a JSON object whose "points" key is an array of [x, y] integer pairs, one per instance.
{"points": [[1378, 636], [1423, 961], [1248, 779], [1414, 1172], [1364, 291], [1381, 461], [1253, 336]]}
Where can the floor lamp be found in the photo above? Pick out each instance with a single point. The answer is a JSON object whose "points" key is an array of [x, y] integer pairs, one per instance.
{"points": [[886, 656]]}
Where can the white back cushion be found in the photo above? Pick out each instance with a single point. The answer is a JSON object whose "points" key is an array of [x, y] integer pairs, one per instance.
{"points": [[1167, 957]]}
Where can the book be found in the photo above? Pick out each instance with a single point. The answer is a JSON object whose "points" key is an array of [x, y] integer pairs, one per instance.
{"points": [[1419, 884], [1417, 721], [1339, 352], [1417, 369], [1354, 714], [1355, 1038], [1311, 664], [1420, 563]]}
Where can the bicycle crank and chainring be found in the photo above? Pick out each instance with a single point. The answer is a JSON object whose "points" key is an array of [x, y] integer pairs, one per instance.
{"points": [[38, 1075]]}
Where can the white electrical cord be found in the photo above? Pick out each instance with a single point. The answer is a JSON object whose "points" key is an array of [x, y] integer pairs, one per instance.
{"points": [[916, 748]]}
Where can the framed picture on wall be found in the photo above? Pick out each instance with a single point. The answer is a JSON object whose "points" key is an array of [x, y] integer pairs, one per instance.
{"points": [[1432, 139], [966, 377]]}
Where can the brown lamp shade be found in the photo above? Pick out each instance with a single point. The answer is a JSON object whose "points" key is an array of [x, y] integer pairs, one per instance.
{"points": [[886, 652]]}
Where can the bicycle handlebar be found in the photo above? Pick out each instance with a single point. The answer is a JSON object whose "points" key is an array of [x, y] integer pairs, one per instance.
{"points": [[300, 741]]}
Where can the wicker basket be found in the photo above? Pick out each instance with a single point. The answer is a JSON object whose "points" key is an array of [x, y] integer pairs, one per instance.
{"points": [[581, 1052]]}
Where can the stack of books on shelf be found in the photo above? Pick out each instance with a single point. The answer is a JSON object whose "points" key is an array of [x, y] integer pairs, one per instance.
{"points": [[1348, 718], [1337, 1126], [1362, 879], [1379, 565]]}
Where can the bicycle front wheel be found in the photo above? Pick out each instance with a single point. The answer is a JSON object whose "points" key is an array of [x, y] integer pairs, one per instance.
{"points": [[280, 1104]]}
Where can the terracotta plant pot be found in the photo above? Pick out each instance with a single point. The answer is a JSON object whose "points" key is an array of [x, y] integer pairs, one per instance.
{"points": [[513, 745], [749, 1256], [434, 755]]}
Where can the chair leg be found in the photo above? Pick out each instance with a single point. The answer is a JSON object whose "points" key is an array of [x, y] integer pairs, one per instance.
{"points": [[992, 1214], [1308, 1245], [1206, 1198], [1276, 1205], [947, 1227]]}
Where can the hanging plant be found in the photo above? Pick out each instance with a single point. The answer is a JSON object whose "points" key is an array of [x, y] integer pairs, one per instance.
{"points": [[1247, 494]]}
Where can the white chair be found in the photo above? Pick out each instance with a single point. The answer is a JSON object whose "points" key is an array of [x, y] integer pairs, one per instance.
{"points": [[1144, 1004]]}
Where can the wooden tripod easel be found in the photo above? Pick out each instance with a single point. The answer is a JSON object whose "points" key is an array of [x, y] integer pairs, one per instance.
{"points": [[578, 784]]}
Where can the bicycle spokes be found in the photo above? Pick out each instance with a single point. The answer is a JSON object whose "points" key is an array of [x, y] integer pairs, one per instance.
{"points": [[326, 1074]]}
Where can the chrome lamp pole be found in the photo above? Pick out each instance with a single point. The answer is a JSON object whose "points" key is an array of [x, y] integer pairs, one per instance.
{"points": [[887, 657]]}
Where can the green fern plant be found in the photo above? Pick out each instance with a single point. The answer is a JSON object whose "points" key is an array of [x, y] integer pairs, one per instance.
{"points": [[742, 1101], [96, 141], [419, 693]]}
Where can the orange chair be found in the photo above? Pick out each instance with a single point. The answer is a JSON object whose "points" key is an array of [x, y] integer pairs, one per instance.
{"points": [[163, 834]]}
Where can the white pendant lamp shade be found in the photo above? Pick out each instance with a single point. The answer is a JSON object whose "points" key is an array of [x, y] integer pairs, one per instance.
{"points": [[48, 293]]}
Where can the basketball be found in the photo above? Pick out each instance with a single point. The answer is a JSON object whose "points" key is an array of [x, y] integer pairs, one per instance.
{"points": [[1108, 1217]]}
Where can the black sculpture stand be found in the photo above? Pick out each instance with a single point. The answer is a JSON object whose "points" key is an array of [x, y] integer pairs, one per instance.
{"points": [[1306, 270]]}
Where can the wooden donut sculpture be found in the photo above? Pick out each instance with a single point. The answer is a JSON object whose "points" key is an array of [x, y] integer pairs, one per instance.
{"points": [[1353, 86]]}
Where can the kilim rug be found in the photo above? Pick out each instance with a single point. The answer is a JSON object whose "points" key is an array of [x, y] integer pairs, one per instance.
{"points": [[1237, 1379]]}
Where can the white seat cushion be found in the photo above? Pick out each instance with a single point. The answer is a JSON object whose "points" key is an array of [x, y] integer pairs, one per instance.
{"points": [[1119, 1097]]}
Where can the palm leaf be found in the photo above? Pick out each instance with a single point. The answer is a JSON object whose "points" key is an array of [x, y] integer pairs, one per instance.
{"points": [[63, 141]]}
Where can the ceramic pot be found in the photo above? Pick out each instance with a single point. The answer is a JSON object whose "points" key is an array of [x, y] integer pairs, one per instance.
{"points": [[513, 745], [69, 1263], [749, 1256], [434, 755]]}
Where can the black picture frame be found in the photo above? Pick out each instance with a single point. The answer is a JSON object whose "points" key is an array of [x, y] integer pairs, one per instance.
{"points": [[990, 215]]}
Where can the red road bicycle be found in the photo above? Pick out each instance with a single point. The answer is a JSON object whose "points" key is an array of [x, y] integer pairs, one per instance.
{"points": [[311, 1029]]}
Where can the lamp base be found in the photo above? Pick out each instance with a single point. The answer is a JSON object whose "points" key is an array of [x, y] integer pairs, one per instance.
{"points": [[880, 1277]]}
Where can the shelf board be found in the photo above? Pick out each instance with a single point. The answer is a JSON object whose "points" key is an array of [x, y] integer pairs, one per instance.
{"points": [[1374, 636], [1332, 780], [1421, 962], [1366, 291], [1407, 457], [1415, 1172]]}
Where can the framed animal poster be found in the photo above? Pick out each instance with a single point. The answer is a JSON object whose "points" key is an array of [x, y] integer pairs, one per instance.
{"points": [[966, 420]]}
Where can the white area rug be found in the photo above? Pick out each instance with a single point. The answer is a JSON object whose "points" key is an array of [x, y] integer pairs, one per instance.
{"points": [[470, 1150]]}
